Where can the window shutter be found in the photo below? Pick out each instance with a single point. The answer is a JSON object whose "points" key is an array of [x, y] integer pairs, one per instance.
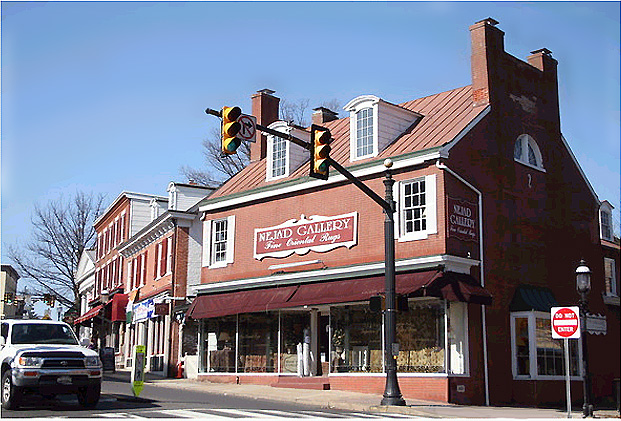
{"points": [[397, 215], [206, 242], [163, 253], [431, 201], [169, 255], [155, 262], [230, 238]]}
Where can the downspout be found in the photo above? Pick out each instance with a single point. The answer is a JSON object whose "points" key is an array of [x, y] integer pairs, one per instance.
{"points": [[173, 277], [482, 265]]}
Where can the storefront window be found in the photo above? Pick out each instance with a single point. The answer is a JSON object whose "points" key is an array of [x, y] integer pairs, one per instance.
{"points": [[293, 325], [420, 334], [356, 340], [535, 353], [219, 344], [258, 343], [457, 331], [550, 353]]}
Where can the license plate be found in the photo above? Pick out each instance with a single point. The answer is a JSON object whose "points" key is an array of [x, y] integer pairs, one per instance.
{"points": [[64, 380]]}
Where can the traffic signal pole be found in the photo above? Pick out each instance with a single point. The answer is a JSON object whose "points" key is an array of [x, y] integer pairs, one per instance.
{"points": [[392, 393]]}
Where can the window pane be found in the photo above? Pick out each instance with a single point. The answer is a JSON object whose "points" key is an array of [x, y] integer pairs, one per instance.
{"points": [[522, 346], [219, 238], [279, 156], [364, 135], [258, 343], [356, 339], [550, 352], [219, 337], [531, 156], [517, 150], [420, 334], [414, 219], [457, 338], [292, 325]]}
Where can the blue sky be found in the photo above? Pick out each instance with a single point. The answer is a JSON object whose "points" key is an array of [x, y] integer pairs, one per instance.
{"points": [[110, 96]]}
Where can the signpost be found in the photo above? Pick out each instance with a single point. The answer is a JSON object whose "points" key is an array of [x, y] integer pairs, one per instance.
{"points": [[137, 374], [565, 322]]}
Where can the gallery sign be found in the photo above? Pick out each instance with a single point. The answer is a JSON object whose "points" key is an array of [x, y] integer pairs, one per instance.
{"points": [[462, 220], [317, 233]]}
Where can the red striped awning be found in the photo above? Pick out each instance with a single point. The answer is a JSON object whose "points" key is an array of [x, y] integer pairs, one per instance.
{"points": [[88, 315]]}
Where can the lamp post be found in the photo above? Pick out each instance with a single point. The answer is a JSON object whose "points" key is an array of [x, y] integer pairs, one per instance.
{"points": [[583, 286], [105, 296], [392, 393]]}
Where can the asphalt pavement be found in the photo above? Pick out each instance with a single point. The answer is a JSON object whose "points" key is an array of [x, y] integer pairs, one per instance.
{"points": [[337, 399]]}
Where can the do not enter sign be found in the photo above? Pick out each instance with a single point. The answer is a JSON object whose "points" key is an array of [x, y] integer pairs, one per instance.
{"points": [[565, 322]]}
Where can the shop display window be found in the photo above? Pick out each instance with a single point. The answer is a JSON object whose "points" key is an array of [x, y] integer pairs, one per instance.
{"points": [[356, 340], [258, 343], [219, 344], [535, 354], [293, 325], [420, 334]]}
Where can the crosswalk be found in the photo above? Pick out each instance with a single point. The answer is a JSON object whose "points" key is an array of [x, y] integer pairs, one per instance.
{"points": [[255, 414]]}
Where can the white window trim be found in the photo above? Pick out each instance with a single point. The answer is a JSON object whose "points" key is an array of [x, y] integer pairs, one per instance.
{"points": [[371, 102], [532, 348], [270, 159], [207, 243], [613, 282], [430, 211], [608, 210]]}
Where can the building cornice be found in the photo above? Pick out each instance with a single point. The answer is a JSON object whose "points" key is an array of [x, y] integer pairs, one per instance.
{"points": [[448, 262]]}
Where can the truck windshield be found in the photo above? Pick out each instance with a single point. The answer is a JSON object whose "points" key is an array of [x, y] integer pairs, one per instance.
{"points": [[42, 334]]}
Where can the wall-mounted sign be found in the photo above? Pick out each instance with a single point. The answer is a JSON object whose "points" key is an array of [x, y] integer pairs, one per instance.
{"points": [[143, 311], [317, 233], [462, 220]]}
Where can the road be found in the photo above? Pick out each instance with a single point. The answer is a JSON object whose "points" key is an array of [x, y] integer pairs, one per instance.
{"points": [[157, 401]]}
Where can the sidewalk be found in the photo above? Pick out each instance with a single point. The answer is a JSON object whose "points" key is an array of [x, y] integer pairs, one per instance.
{"points": [[352, 401]]}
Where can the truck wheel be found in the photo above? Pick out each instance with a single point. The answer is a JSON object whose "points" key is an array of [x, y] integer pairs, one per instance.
{"points": [[11, 395], [89, 396]]}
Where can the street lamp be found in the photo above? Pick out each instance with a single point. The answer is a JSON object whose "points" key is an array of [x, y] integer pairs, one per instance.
{"points": [[583, 285], [392, 393], [105, 297]]}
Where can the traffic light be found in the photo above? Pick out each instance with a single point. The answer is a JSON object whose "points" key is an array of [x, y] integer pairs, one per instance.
{"points": [[8, 298], [230, 129], [48, 299], [320, 152]]}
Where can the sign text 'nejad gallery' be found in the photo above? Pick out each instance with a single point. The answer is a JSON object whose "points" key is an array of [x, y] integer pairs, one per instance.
{"points": [[317, 233]]}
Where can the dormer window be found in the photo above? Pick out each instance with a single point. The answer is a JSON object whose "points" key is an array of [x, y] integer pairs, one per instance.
{"points": [[527, 152], [284, 157], [364, 133], [374, 124], [278, 150], [605, 221]]}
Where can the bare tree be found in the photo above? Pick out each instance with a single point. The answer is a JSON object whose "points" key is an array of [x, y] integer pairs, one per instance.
{"points": [[62, 229]]}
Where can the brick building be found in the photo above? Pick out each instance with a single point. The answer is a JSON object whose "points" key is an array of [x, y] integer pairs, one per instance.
{"points": [[493, 216]]}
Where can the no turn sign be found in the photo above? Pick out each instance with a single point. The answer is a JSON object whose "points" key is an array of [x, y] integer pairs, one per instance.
{"points": [[565, 322]]}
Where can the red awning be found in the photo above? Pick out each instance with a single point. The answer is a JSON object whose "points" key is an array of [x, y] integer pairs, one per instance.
{"points": [[448, 285], [453, 286], [119, 304], [88, 315], [217, 305], [357, 289]]}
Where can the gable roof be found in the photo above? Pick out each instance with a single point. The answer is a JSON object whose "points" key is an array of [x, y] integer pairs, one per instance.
{"points": [[445, 116]]}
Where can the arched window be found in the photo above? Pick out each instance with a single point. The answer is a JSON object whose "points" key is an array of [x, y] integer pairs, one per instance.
{"points": [[527, 152]]}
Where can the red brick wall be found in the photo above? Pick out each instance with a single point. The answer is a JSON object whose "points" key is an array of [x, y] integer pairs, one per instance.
{"points": [[328, 201]]}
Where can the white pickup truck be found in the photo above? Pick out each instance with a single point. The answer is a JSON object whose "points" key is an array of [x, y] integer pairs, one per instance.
{"points": [[44, 357]]}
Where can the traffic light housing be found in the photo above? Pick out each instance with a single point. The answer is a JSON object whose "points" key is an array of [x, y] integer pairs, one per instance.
{"points": [[8, 298], [230, 129], [320, 152]]}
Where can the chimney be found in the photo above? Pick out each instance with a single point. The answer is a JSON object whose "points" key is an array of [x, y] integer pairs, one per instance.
{"points": [[542, 59], [265, 109], [487, 50], [323, 115]]}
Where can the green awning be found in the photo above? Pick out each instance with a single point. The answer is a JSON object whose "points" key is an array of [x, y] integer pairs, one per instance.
{"points": [[530, 297]]}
